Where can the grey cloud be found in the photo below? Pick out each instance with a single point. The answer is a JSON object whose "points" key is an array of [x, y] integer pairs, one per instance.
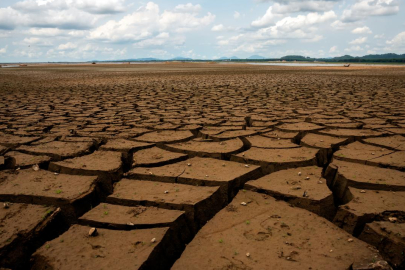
{"points": [[365, 8]]}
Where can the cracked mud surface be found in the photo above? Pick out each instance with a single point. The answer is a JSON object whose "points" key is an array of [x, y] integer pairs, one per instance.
{"points": [[197, 166]]}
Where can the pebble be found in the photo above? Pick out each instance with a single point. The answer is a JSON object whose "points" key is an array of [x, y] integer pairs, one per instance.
{"points": [[188, 164], [166, 191], [35, 167], [350, 240], [130, 224], [320, 182], [150, 172], [93, 232], [307, 178], [56, 173], [392, 219], [6, 205], [247, 166], [248, 254], [153, 240], [243, 203], [362, 191], [296, 188], [299, 173]]}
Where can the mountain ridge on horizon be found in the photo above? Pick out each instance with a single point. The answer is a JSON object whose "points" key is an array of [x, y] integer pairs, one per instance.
{"points": [[388, 57], [368, 57]]}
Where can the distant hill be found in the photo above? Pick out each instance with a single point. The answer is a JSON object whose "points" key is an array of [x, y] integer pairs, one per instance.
{"points": [[295, 58], [229, 58], [370, 58], [253, 57], [151, 59], [344, 57], [179, 58], [384, 56], [145, 59], [388, 57]]}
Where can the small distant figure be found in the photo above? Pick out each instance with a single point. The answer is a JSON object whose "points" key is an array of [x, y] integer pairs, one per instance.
{"points": [[348, 65], [93, 63]]}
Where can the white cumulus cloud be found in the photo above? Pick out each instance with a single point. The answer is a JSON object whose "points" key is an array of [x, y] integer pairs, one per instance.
{"points": [[398, 42], [35, 41], [302, 27], [162, 39], [290, 6], [300, 24], [365, 8], [3, 50], [333, 49], [30, 13], [148, 22], [218, 28], [354, 49], [300, 21], [100, 6], [90, 6], [360, 40], [67, 46], [379, 36], [266, 20], [362, 30], [187, 8]]}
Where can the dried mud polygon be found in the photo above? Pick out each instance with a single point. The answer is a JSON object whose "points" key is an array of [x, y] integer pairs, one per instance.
{"points": [[202, 166]]}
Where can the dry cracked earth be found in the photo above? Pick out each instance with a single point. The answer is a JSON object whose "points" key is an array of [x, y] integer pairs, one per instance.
{"points": [[202, 166]]}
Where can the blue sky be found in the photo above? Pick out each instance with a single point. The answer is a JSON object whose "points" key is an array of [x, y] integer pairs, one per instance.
{"points": [[81, 30]]}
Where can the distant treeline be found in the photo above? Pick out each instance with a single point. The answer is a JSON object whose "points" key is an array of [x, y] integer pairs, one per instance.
{"points": [[389, 57], [371, 58], [356, 60]]}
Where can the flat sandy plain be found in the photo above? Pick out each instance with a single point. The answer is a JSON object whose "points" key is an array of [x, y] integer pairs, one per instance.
{"points": [[202, 166]]}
